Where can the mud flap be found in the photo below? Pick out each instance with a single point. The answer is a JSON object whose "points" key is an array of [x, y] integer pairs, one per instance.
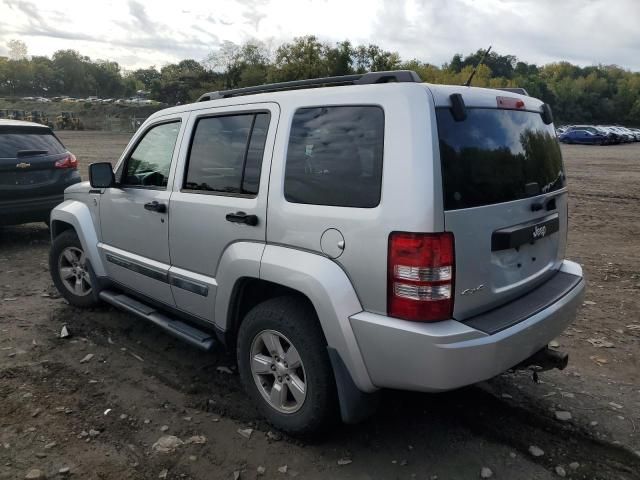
{"points": [[355, 405]]}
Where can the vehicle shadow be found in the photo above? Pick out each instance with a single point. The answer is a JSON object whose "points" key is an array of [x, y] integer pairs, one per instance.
{"points": [[23, 236]]}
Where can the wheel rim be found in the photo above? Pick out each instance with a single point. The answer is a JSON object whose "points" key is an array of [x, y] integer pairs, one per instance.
{"points": [[278, 371], [73, 270]]}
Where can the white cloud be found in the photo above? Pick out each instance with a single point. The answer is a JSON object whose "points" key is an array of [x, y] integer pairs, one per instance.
{"points": [[137, 33]]}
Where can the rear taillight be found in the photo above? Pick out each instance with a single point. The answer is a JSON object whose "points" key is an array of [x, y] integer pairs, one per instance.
{"points": [[69, 161], [420, 276]]}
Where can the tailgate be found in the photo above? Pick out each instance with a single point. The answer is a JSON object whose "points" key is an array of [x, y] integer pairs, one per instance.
{"points": [[27, 162], [505, 202]]}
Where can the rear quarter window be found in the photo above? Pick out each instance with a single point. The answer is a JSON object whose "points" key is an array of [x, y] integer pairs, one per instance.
{"points": [[17, 141], [335, 156], [496, 156]]}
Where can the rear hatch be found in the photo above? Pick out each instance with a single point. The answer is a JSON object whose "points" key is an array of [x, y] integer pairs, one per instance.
{"points": [[504, 198], [31, 158]]}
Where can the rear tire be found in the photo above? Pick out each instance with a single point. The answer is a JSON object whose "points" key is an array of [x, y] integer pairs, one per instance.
{"points": [[71, 271], [280, 349]]}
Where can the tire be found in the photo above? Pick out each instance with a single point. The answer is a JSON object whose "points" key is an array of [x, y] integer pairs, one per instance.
{"points": [[66, 257], [294, 322]]}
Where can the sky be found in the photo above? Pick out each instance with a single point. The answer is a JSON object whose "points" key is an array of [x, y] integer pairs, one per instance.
{"points": [[138, 33]]}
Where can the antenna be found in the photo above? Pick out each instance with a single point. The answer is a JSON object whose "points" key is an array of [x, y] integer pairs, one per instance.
{"points": [[473, 72]]}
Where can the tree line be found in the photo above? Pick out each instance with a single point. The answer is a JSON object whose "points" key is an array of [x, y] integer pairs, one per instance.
{"points": [[594, 94]]}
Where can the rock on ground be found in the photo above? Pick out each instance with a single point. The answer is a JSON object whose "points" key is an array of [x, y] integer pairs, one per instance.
{"points": [[536, 451], [87, 358], [486, 472], [563, 416], [35, 474], [167, 444]]}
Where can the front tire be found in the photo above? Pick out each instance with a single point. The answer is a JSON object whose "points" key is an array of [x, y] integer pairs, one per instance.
{"points": [[285, 368], [71, 270]]}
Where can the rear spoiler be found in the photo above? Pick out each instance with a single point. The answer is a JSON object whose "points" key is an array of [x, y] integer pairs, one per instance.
{"points": [[518, 90], [459, 109]]}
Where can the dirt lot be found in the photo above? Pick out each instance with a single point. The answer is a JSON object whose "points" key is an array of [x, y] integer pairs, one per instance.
{"points": [[100, 418]]}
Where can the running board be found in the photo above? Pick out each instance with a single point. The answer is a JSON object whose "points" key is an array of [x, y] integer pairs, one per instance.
{"points": [[194, 336]]}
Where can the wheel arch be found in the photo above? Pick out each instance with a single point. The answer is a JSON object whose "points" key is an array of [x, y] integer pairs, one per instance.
{"points": [[318, 280], [246, 294], [73, 214]]}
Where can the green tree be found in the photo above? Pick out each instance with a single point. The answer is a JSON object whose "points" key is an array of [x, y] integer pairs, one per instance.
{"points": [[305, 57], [146, 77], [17, 49]]}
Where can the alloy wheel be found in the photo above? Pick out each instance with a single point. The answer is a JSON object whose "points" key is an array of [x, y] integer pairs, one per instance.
{"points": [[72, 267], [278, 371]]}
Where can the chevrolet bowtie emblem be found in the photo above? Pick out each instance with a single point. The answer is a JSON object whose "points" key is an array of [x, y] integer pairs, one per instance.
{"points": [[23, 165]]}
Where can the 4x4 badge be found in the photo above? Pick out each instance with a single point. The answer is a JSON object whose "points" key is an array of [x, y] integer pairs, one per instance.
{"points": [[471, 291], [23, 165]]}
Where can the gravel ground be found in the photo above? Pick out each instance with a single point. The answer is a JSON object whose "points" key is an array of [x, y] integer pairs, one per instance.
{"points": [[101, 418]]}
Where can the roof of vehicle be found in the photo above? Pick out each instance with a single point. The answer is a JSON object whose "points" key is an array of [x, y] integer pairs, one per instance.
{"points": [[19, 123], [473, 96], [386, 83]]}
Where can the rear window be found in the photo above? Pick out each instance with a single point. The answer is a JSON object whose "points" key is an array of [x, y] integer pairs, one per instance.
{"points": [[335, 156], [25, 141], [496, 156]]}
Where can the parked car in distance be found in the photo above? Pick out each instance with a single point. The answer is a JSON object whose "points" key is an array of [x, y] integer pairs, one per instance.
{"points": [[35, 169], [631, 133], [373, 232], [609, 137], [625, 136], [636, 132], [583, 137]]}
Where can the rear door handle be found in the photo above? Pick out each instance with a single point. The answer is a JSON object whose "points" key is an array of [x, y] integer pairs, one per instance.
{"points": [[242, 217], [156, 207]]}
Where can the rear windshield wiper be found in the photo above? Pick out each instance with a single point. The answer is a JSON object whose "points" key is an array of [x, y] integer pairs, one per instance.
{"points": [[29, 153]]}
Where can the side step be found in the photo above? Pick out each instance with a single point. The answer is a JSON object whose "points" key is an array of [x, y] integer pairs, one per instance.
{"points": [[198, 338]]}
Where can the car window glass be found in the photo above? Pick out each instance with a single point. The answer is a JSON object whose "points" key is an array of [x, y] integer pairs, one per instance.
{"points": [[255, 153], [496, 156], [19, 141], [335, 156], [150, 161], [226, 153]]}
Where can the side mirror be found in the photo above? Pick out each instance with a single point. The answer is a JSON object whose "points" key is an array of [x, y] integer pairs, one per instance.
{"points": [[101, 175]]}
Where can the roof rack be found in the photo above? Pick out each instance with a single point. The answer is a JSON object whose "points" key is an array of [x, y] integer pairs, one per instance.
{"points": [[400, 76]]}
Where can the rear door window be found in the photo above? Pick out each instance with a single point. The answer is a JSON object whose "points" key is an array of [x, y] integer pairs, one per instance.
{"points": [[28, 141], [335, 156], [226, 154], [496, 156]]}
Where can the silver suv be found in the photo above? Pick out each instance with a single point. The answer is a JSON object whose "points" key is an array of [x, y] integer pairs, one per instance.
{"points": [[376, 233]]}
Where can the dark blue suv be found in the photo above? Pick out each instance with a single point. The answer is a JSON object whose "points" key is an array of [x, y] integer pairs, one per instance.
{"points": [[35, 169]]}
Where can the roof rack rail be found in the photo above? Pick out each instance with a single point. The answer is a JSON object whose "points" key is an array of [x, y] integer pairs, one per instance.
{"points": [[518, 90], [400, 76]]}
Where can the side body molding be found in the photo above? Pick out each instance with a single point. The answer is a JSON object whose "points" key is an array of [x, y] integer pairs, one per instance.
{"points": [[78, 215], [332, 295]]}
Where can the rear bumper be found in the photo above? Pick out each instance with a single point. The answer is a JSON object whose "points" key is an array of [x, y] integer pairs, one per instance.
{"points": [[447, 355], [31, 209]]}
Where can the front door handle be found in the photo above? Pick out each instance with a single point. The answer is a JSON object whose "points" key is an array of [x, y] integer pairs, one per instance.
{"points": [[156, 207], [242, 217]]}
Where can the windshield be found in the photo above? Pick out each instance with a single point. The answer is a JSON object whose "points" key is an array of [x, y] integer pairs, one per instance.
{"points": [[496, 156]]}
